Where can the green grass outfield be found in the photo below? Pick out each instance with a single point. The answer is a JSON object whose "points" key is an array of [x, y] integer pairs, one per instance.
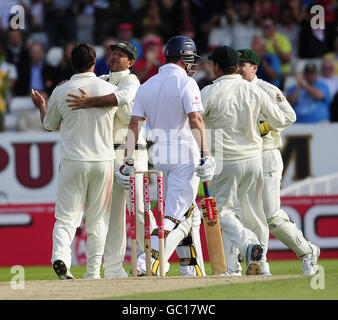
{"points": [[297, 288]]}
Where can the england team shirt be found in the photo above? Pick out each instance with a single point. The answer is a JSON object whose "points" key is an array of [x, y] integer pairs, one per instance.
{"points": [[86, 134], [165, 100]]}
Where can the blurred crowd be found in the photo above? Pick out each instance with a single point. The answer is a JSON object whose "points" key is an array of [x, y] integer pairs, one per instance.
{"points": [[299, 59]]}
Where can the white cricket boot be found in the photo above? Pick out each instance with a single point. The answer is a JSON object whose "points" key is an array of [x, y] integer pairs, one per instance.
{"points": [[237, 272], [310, 261], [252, 257]]}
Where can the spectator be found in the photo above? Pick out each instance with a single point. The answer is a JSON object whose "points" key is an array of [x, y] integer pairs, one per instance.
{"points": [[65, 70], [312, 42], [36, 15], [334, 56], [331, 26], [266, 8], [18, 55], [60, 21], [35, 21], [309, 97], [41, 73], [125, 33], [107, 16], [8, 76], [102, 64], [148, 19], [152, 58], [289, 28], [221, 33], [298, 10], [244, 29], [269, 68], [277, 43], [327, 76], [85, 20]]}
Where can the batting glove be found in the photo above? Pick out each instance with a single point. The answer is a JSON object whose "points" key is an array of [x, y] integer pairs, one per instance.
{"points": [[205, 171], [122, 173]]}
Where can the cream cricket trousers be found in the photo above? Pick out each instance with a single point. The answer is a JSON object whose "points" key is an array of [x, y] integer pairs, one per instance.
{"points": [[278, 220], [242, 179], [116, 241], [80, 184]]}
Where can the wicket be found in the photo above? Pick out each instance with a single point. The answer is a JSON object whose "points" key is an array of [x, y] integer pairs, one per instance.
{"points": [[147, 236]]}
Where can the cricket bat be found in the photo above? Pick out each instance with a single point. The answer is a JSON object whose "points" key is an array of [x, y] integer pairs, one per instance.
{"points": [[213, 234]]}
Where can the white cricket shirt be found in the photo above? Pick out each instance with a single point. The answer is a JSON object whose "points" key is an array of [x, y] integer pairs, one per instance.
{"points": [[127, 85], [232, 107], [165, 101], [86, 134], [273, 139]]}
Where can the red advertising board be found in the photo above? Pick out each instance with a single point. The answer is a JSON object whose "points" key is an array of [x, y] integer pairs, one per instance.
{"points": [[26, 231]]}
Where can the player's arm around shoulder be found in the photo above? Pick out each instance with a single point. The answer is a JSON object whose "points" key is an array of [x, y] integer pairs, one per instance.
{"points": [[269, 108], [126, 89], [277, 96]]}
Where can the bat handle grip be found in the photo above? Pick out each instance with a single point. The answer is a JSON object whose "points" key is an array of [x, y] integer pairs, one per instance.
{"points": [[205, 184], [206, 189]]}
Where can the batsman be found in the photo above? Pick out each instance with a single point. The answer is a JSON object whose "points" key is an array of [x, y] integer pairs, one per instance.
{"points": [[171, 103]]}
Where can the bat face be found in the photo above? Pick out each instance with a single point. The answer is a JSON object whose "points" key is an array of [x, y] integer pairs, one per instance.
{"points": [[209, 209]]}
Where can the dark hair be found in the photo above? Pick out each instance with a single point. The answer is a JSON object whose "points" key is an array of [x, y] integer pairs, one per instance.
{"points": [[172, 59], [229, 69], [83, 57]]}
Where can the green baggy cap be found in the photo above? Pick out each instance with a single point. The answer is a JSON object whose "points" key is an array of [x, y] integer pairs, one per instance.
{"points": [[248, 55], [127, 47]]}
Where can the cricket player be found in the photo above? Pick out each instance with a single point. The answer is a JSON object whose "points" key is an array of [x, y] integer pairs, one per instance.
{"points": [[87, 164], [232, 108], [278, 221], [170, 101], [123, 57]]}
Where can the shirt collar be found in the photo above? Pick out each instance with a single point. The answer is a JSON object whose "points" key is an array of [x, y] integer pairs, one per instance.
{"points": [[228, 77], [255, 79], [172, 67], [115, 77], [83, 75]]}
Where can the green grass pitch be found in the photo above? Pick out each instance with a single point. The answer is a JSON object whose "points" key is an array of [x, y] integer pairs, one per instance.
{"points": [[289, 289]]}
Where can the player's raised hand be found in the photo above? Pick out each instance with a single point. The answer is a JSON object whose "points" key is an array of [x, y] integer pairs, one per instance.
{"points": [[38, 99], [76, 101]]}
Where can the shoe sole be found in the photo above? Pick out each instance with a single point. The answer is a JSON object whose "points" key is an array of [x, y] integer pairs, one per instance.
{"points": [[61, 270], [253, 270]]}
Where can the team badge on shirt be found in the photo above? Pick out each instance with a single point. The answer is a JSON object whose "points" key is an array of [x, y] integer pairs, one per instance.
{"points": [[279, 97]]}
